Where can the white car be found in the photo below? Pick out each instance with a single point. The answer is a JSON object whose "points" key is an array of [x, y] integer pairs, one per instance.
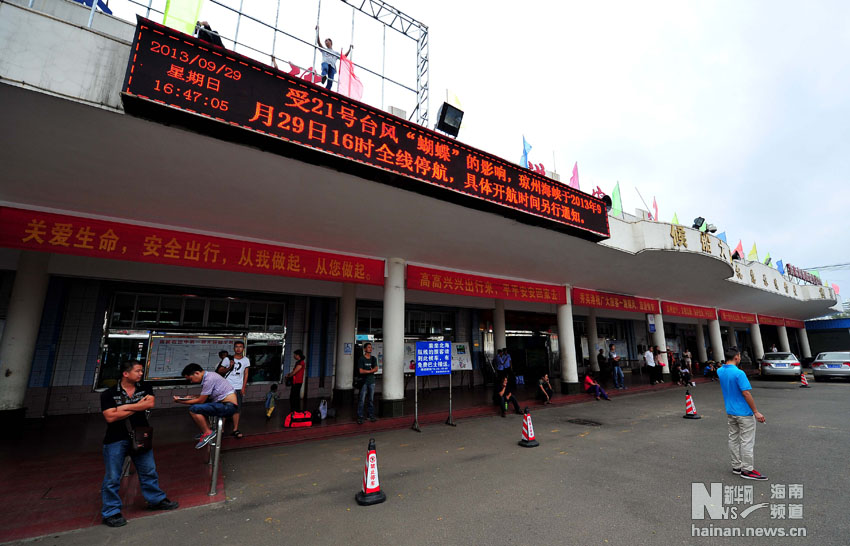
{"points": [[781, 364], [831, 364]]}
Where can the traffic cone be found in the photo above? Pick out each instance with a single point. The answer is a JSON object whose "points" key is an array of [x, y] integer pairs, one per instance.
{"points": [[690, 409], [804, 383], [528, 431], [370, 492]]}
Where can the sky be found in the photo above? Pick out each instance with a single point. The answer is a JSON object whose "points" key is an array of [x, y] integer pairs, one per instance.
{"points": [[734, 111]]}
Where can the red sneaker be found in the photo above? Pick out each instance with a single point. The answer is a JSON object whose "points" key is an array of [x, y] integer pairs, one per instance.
{"points": [[752, 475]]}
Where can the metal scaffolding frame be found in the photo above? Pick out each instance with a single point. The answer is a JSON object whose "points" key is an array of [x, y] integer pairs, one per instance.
{"points": [[411, 28], [378, 10]]}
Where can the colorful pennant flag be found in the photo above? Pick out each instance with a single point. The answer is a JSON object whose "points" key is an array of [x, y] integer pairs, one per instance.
{"points": [[182, 15], [526, 147], [574, 177], [740, 249], [835, 289], [675, 219], [722, 237], [780, 267], [767, 259], [704, 227], [753, 256], [349, 84], [616, 201], [655, 206]]}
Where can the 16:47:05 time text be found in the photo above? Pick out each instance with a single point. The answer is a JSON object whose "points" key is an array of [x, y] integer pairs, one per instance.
{"points": [[191, 95]]}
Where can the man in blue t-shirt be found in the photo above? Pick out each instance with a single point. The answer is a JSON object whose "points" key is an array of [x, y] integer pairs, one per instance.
{"points": [[741, 415]]}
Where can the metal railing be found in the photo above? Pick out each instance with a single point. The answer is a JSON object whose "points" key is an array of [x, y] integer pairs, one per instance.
{"points": [[215, 455]]}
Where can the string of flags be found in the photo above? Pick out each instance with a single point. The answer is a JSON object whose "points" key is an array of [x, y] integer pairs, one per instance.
{"points": [[617, 211]]}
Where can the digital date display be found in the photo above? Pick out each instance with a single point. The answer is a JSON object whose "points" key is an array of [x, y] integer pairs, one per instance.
{"points": [[173, 69]]}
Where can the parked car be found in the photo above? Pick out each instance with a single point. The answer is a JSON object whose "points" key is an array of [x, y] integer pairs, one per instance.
{"points": [[781, 364], [831, 364]]}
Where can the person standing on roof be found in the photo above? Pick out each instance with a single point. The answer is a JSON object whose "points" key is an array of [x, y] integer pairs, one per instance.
{"points": [[329, 59]]}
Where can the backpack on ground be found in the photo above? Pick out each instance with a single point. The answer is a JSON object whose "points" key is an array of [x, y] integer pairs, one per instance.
{"points": [[298, 419]]}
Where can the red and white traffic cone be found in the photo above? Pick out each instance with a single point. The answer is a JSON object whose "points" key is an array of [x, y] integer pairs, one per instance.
{"points": [[528, 431], [370, 492], [804, 383], [690, 409]]}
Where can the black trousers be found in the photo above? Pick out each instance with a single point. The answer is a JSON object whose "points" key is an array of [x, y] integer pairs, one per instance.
{"points": [[548, 390], [295, 397], [503, 401]]}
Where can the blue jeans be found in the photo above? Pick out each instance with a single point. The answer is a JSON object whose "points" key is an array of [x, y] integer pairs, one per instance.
{"points": [[618, 377], [368, 388], [597, 391], [113, 459], [330, 72], [214, 409]]}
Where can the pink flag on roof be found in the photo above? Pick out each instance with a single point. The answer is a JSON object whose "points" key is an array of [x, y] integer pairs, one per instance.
{"points": [[655, 206], [574, 177], [349, 84], [740, 249], [835, 288]]}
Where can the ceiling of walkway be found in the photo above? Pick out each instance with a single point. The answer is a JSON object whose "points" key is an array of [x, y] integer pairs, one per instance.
{"points": [[64, 155]]}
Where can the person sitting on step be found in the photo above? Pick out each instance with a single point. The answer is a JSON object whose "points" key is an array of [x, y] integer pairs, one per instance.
{"points": [[503, 395], [593, 388]]}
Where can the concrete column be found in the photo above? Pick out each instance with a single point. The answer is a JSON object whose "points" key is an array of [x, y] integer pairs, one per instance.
{"points": [[499, 336], [567, 348], [702, 354], [803, 337], [592, 335], [392, 394], [758, 345], [716, 340], [783, 339], [22, 321], [658, 339], [346, 330]]}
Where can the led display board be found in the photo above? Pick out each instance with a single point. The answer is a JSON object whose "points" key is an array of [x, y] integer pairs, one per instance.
{"points": [[176, 78]]}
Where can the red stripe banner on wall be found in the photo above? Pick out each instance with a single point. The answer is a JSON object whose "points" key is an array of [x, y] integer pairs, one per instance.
{"points": [[791, 323], [61, 234], [691, 311], [735, 316], [464, 284], [605, 300]]}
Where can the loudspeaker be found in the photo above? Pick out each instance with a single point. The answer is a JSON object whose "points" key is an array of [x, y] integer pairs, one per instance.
{"points": [[607, 200]]}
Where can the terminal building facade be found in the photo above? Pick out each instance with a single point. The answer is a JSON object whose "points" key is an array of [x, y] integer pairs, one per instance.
{"points": [[137, 225]]}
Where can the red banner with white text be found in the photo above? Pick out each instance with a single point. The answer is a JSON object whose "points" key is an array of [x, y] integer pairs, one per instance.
{"points": [[464, 284], [690, 311], [771, 321], [791, 323], [605, 300], [735, 316], [62, 234]]}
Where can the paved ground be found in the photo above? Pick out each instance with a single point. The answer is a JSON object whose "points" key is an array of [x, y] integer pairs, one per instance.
{"points": [[627, 481]]}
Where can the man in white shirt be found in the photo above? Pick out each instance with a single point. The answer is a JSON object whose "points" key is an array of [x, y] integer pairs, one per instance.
{"points": [[650, 362], [237, 375]]}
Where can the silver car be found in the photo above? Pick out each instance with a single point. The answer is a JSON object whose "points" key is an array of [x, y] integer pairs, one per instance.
{"points": [[781, 364], [831, 364]]}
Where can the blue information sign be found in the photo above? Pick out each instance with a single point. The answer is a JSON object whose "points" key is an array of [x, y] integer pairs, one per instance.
{"points": [[433, 358]]}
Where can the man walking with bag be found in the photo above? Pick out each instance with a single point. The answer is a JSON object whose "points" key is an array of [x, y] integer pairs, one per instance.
{"points": [[125, 407]]}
